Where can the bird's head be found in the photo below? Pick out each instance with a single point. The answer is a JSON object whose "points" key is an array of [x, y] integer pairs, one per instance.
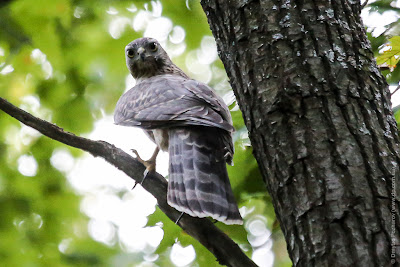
{"points": [[146, 58]]}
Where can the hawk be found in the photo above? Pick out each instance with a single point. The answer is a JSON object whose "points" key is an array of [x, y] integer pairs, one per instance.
{"points": [[186, 118]]}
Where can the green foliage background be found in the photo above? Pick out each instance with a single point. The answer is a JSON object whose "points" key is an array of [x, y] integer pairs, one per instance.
{"points": [[38, 214]]}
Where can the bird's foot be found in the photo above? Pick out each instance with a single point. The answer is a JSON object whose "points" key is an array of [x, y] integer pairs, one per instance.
{"points": [[149, 164]]}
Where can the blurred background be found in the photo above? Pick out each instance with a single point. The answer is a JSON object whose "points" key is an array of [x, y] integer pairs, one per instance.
{"points": [[63, 61]]}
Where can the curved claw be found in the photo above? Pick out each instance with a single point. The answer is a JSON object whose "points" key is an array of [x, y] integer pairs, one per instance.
{"points": [[135, 185]]}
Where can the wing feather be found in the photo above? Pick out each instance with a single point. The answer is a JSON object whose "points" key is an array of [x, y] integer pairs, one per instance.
{"points": [[171, 100]]}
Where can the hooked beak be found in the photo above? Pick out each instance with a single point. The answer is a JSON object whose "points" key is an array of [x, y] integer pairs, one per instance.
{"points": [[141, 53]]}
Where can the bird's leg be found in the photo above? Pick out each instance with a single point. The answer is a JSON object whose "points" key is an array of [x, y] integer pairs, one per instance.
{"points": [[180, 216], [150, 164]]}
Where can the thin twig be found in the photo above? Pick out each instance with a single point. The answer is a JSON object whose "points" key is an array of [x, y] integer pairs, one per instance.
{"points": [[217, 242], [364, 4], [395, 90]]}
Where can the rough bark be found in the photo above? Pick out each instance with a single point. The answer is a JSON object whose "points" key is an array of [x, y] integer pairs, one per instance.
{"points": [[217, 242], [319, 118]]}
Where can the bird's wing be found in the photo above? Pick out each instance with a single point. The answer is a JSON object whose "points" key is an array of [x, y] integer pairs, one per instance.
{"points": [[169, 101]]}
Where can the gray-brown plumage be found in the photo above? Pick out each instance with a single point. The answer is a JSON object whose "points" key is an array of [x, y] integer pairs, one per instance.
{"points": [[186, 118]]}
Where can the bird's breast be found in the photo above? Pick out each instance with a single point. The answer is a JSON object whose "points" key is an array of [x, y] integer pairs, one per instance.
{"points": [[161, 138]]}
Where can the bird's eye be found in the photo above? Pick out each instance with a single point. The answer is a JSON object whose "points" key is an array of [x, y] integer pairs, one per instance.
{"points": [[130, 53], [153, 47]]}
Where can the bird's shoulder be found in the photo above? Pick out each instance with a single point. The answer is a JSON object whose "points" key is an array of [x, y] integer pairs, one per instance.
{"points": [[167, 87], [182, 86]]}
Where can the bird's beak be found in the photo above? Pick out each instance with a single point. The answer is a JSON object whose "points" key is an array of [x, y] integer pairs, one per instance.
{"points": [[141, 53]]}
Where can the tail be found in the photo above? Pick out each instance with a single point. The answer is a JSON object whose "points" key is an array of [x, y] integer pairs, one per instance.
{"points": [[198, 180]]}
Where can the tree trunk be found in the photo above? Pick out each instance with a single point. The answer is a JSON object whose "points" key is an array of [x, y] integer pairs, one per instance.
{"points": [[319, 117]]}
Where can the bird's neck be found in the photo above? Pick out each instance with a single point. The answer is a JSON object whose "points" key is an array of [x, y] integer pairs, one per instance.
{"points": [[173, 69]]}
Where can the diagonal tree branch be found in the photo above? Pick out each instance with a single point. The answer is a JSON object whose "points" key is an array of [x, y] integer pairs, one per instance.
{"points": [[217, 242]]}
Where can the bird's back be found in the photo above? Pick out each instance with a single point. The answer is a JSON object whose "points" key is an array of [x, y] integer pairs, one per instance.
{"points": [[189, 118]]}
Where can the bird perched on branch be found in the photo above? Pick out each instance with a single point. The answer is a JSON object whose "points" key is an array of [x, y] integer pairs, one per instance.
{"points": [[186, 118]]}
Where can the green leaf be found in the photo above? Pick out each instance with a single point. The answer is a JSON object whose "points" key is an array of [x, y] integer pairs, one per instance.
{"points": [[391, 56], [396, 112]]}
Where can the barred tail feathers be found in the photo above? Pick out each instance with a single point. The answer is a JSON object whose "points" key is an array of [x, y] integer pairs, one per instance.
{"points": [[198, 180]]}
